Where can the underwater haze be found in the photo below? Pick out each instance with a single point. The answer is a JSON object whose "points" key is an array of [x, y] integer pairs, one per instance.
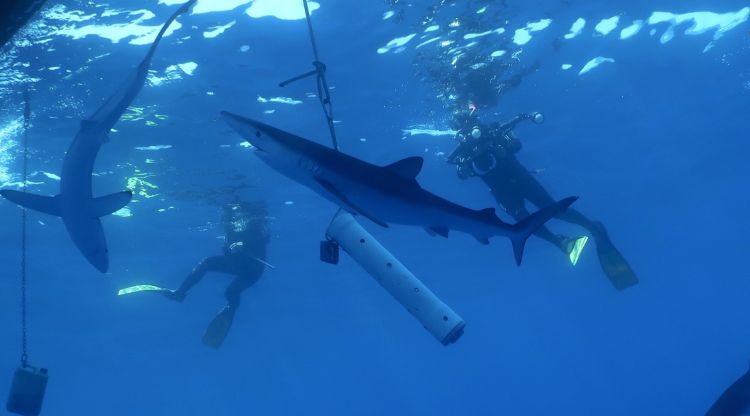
{"points": [[645, 107]]}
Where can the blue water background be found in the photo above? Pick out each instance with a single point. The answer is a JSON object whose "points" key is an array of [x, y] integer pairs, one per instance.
{"points": [[656, 146]]}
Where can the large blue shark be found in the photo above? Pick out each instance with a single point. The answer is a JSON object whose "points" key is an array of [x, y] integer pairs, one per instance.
{"points": [[384, 194], [75, 204]]}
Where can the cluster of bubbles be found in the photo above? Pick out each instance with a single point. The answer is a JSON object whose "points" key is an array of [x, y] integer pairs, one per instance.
{"points": [[464, 52]]}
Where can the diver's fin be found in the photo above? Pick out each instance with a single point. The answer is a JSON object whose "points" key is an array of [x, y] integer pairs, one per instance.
{"points": [[108, 204], [441, 231], [614, 264], [141, 288], [575, 248], [46, 204], [219, 328], [407, 168], [529, 225], [338, 194]]}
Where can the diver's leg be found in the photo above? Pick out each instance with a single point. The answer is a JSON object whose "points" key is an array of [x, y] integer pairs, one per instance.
{"points": [[513, 203], [613, 263], [209, 264], [537, 195], [219, 327], [248, 271]]}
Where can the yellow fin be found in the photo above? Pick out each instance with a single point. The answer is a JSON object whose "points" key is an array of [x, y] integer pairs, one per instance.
{"points": [[576, 248]]}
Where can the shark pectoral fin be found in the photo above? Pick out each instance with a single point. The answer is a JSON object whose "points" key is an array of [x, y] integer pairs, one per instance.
{"points": [[46, 204], [407, 168], [108, 204], [441, 231], [340, 196]]}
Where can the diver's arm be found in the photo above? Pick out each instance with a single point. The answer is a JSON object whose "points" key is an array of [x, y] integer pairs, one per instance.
{"points": [[461, 158], [538, 118], [458, 154]]}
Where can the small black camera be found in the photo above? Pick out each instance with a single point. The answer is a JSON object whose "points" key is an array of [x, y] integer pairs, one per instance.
{"points": [[329, 251]]}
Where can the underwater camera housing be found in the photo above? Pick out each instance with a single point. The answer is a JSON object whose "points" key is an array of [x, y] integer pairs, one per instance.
{"points": [[27, 391], [329, 251]]}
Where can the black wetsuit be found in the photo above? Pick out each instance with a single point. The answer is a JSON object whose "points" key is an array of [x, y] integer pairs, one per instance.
{"points": [[489, 151], [246, 238], [492, 157]]}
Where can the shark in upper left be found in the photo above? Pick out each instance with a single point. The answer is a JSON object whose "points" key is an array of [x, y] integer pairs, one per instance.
{"points": [[75, 204]]}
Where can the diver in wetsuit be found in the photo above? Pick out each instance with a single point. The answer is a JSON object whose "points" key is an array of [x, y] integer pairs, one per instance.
{"points": [[244, 253], [246, 237], [488, 151]]}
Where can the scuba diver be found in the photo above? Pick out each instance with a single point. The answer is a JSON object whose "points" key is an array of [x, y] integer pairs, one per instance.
{"points": [[244, 252], [489, 152]]}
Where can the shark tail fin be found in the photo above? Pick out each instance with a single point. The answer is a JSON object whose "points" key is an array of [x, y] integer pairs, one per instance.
{"points": [[529, 225], [108, 204], [46, 204]]}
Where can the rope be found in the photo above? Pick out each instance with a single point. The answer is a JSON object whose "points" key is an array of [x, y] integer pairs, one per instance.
{"points": [[324, 93], [26, 124]]}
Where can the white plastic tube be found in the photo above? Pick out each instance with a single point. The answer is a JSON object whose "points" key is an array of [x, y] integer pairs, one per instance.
{"points": [[436, 316]]}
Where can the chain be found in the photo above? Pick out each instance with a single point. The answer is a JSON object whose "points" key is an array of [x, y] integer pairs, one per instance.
{"points": [[26, 125], [324, 93]]}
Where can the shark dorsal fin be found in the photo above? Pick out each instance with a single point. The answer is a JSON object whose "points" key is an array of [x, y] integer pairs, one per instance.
{"points": [[408, 168]]}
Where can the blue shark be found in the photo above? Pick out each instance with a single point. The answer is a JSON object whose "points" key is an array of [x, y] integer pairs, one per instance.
{"points": [[384, 194], [75, 203]]}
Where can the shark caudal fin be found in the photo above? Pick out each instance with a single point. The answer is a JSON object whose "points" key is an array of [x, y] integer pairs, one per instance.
{"points": [[529, 225], [46, 204]]}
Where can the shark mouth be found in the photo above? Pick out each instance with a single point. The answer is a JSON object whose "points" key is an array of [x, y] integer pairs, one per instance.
{"points": [[256, 147], [257, 134]]}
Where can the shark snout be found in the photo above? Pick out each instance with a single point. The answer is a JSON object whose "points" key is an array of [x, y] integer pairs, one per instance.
{"points": [[252, 131]]}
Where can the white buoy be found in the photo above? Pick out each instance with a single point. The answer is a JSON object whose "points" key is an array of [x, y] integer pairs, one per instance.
{"points": [[437, 317]]}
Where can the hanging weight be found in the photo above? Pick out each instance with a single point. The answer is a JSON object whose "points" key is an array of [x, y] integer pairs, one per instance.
{"points": [[27, 391]]}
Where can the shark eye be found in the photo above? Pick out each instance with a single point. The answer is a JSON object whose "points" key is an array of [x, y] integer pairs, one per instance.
{"points": [[257, 134]]}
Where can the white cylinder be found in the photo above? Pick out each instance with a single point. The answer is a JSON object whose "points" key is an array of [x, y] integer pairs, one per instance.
{"points": [[436, 316]]}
